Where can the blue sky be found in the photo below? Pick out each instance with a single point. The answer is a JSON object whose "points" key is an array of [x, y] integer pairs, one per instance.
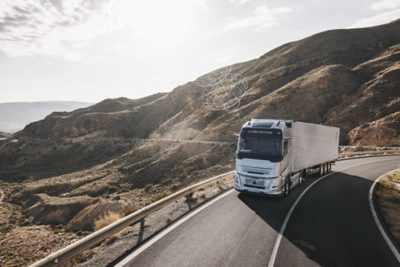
{"points": [[88, 50]]}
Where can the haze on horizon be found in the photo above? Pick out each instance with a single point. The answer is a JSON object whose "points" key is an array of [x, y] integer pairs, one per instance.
{"points": [[89, 50]]}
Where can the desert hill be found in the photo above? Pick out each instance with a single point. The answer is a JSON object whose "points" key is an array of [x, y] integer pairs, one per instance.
{"points": [[346, 78], [76, 163]]}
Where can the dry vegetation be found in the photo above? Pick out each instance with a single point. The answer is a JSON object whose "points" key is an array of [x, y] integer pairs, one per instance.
{"points": [[68, 170], [106, 219], [388, 198]]}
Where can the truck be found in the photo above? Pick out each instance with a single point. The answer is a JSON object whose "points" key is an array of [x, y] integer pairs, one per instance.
{"points": [[273, 156]]}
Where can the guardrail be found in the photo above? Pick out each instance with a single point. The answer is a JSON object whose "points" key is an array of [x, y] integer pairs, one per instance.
{"points": [[374, 152], [74, 249]]}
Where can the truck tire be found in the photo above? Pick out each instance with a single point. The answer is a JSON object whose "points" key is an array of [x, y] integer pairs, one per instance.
{"points": [[286, 187], [324, 169], [301, 177]]}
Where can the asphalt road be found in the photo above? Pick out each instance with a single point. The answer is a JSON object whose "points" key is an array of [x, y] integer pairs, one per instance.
{"points": [[332, 225]]}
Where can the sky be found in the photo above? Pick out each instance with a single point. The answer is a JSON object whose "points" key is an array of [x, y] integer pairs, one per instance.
{"points": [[89, 50]]}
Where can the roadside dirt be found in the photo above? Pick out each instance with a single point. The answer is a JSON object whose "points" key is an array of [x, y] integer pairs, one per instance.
{"points": [[388, 199], [129, 238]]}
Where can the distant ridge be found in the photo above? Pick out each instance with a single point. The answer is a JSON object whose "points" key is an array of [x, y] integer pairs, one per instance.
{"points": [[14, 116]]}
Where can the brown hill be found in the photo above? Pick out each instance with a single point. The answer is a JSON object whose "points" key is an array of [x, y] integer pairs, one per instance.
{"points": [[346, 78]]}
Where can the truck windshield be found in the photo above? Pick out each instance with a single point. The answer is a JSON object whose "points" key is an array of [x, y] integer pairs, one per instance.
{"points": [[258, 144]]}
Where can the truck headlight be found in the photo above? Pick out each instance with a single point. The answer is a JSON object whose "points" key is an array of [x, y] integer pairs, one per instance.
{"points": [[237, 178], [276, 182]]}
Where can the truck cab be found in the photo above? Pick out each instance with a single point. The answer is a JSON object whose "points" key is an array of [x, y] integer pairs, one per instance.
{"points": [[263, 158]]}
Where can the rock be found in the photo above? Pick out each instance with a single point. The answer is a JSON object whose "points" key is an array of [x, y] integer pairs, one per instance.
{"points": [[382, 132]]}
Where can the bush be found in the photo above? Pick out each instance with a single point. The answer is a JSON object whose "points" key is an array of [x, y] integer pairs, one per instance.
{"points": [[106, 219]]}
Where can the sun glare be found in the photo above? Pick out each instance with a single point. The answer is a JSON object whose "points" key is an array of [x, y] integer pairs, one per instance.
{"points": [[158, 21]]}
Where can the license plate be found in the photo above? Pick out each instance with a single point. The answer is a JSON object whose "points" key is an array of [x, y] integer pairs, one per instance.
{"points": [[250, 181]]}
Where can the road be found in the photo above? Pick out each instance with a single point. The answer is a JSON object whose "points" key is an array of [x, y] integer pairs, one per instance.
{"points": [[332, 225]]}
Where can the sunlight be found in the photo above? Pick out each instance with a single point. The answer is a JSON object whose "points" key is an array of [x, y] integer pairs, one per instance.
{"points": [[158, 21]]}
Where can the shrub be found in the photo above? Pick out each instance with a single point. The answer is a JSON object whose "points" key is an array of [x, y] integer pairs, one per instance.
{"points": [[106, 219]]}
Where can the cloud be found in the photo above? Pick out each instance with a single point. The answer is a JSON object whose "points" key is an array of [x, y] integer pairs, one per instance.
{"points": [[385, 5], [62, 28], [240, 1], [263, 17], [202, 3], [46, 26], [382, 18]]}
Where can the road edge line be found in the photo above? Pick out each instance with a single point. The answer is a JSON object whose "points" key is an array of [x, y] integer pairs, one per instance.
{"points": [[274, 253], [169, 229], [283, 227], [378, 222]]}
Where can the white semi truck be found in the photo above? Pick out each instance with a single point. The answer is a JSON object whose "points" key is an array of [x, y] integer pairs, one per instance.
{"points": [[273, 156]]}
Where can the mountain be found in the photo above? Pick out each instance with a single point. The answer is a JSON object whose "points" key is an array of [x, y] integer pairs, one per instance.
{"points": [[107, 154], [15, 115]]}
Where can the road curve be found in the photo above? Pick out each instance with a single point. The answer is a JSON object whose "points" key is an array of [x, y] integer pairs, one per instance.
{"points": [[332, 225]]}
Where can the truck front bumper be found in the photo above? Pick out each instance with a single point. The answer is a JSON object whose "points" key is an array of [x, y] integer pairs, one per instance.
{"points": [[271, 186]]}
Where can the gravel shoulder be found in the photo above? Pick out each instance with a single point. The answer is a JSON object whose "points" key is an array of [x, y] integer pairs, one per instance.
{"points": [[387, 195]]}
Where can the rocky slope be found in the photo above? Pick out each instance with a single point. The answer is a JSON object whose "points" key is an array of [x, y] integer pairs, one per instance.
{"points": [[77, 165]]}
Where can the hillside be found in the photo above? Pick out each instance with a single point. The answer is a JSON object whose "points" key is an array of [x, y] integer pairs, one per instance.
{"points": [[74, 166], [15, 115]]}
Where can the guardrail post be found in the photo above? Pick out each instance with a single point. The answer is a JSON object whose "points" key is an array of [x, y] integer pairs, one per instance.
{"points": [[189, 200], [69, 252], [141, 232]]}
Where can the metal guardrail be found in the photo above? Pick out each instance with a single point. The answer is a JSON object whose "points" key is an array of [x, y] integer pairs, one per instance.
{"points": [[378, 152], [74, 249]]}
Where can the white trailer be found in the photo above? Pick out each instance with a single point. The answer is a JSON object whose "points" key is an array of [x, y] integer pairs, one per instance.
{"points": [[273, 156]]}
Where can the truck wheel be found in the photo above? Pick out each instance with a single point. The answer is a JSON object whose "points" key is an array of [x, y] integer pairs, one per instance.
{"points": [[286, 188], [323, 169], [301, 178]]}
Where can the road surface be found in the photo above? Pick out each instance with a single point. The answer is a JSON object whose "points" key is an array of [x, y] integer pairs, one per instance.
{"points": [[332, 225]]}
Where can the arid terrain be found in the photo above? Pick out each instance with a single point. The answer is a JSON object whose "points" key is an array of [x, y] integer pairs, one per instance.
{"points": [[387, 195], [62, 174]]}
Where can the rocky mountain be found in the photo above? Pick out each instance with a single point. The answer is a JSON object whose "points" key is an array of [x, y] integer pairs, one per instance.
{"points": [[110, 154], [346, 78], [14, 116]]}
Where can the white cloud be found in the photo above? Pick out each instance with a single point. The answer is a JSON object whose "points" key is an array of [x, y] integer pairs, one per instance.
{"points": [[60, 27], [385, 5], [46, 26], [240, 1], [202, 3], [382, 18], [263, 17]]}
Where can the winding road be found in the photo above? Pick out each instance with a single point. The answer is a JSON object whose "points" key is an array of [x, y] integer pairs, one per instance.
{"points": [[329, 224]]}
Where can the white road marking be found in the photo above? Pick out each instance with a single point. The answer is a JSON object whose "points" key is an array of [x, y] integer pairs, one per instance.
{"points": [[271, 263], [378, 223], [125, 261], [285, 222]]}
